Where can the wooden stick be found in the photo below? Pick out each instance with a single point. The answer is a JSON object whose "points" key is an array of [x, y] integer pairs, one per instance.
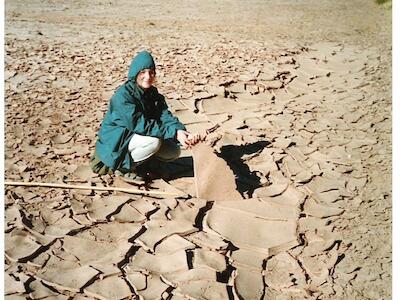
{"points": [[88, 187]]}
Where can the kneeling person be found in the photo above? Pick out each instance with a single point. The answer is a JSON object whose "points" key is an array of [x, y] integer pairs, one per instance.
{"points": [[138, 126]]}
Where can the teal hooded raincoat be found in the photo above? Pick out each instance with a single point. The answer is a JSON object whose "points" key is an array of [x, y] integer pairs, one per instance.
{"points": [[133, 110]]}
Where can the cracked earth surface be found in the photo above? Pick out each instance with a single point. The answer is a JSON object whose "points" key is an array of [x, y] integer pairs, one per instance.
{"points": [[297, 98]]}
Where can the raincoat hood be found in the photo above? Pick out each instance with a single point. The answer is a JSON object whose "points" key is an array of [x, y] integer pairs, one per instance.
{"points": [[143, 60]]}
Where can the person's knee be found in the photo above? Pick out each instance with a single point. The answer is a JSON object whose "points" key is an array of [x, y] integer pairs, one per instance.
{"points": [[145, 148], [153, 144]]}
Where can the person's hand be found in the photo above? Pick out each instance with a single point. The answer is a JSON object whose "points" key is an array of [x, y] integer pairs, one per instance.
{"points": [[193, 139], [186, 139], [182, 137]]}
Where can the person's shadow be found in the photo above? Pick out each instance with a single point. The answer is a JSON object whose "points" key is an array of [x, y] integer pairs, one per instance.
{"points": [[246, 181]]}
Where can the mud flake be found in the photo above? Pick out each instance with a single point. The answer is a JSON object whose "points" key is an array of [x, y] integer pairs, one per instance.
{"points": [[112, 287], [312, 208], [272, 190], [83, 172], [60, 149], [271, 84], [292, 293], [137, 280], [343, 169], [321, 184], [12, 286], [189, 104], [303, 177], [248, 259], [297, 154], [189, 117], [185, 212], [210, 259], [100, 208], [218, 118], [160, 215], [254, 99], [13, 217], [157, 230], [249, 284], [204, 289], [283, 271], [262, 209], [277, 177], [81, 151], [355, 184], [244, 230], [318, 266], [292, 166], [216, 89], [237, 87], [40, 260], [357, 143], [317, 243], [110, 232], [128, 214], [207, 241], [39, 291], [62, 227], [20, 245], [106, 269], [315, 169], [59, 117], [172, 244], [310, 223], [9, 74], [78, 207], [62, 138], [266, 166], [88, 251], [143, 205], [291, 197], [195, 274], [68, 279], [155, 288], [208, 166], [327, 197], [38, 151], [218, 105], [159, 264]]}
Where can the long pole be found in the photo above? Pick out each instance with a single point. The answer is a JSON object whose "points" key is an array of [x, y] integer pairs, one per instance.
{"points": [[87, 187]]}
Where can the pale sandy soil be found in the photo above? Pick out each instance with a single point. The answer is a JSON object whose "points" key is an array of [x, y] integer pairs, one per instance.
{"points": [[301, 94]]}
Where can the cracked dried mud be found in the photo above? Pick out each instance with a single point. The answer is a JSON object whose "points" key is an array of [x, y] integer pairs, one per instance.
{"points": [[296, 98]]}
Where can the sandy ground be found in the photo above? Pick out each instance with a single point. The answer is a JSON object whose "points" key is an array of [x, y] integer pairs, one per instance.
{"points": [[299, 96]]}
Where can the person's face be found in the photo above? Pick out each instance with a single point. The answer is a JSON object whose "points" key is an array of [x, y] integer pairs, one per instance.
{"points": [[145, 78]]}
